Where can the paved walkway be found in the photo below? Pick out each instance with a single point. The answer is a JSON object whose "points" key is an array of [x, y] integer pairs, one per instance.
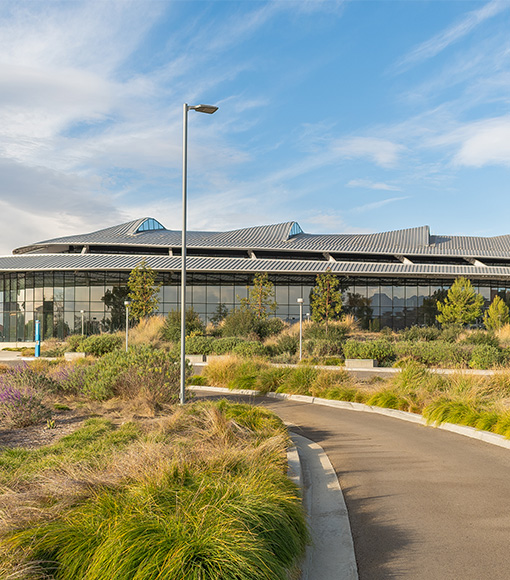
{"points": [[423, 503]]}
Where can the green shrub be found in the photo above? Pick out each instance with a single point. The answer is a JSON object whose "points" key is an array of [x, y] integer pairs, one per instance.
{"points": [[479, 337], [450, 333], [485, 356], [285, 343], [172, 327], [240, 323], [426, 333], [197, 380], [73, 342], [244, 323], [100, 344], [334, 332], [434, 353], [381, 350], [225, 345], [320, 347], [249, 349], [267, 327], [200, 344], [153, 373]]}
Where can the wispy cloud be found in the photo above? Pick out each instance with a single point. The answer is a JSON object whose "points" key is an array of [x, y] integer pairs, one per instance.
{"points": [[377, 204], [454, 33], [367, 184], [383, 152]]}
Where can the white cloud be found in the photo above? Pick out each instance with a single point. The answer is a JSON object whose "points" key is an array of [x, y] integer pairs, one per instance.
{"points": [[367, 184], [441, 41], [381, 151], [485, 143]]}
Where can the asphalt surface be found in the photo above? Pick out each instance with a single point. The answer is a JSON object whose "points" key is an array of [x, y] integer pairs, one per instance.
{"points": [[423, 504]]}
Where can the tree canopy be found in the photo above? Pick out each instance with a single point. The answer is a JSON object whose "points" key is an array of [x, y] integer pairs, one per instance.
{"points": [[461, 306], [497, 315], [326, 299], [143, 291], [260, 296]]}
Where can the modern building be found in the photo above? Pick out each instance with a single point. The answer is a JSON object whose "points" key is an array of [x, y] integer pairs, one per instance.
{"points": [[388, 279]]}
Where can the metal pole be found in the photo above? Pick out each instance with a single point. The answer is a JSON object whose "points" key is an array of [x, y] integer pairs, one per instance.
{"points": [[82, 325], [182, 396], [300, 301]]}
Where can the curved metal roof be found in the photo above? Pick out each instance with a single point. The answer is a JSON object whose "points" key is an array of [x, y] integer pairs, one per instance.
{"points": [[286, 236], [126, 262]]}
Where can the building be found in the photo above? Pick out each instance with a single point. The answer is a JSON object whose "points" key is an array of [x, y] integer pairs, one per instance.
{"points": [[388, 279]]}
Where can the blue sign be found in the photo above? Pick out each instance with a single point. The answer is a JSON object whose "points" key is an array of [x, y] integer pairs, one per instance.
{"points": [[37, 338]]}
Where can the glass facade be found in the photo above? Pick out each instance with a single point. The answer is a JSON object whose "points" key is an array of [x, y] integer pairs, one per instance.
{"points": [[57, 298]]}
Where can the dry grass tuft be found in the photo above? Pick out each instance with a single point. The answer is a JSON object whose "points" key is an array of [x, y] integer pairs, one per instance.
{"points": [[147, 331], [503, 335]]}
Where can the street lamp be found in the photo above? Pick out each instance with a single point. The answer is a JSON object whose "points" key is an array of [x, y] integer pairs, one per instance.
{"points": [[300, 302], [209, 109], [126, 304], [82, 312]]}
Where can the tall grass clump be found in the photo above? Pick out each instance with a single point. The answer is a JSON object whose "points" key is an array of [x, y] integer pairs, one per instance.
{"points": [[147, 331], [203, 497]]}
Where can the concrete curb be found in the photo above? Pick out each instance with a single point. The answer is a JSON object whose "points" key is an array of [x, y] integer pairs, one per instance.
{"points": [[330, 556], [485, 436]]}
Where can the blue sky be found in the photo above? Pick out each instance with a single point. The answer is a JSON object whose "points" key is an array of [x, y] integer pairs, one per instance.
{"points": [[355, 116]]}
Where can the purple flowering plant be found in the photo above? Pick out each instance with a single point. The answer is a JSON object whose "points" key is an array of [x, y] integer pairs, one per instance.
{"points": [[21, 406]]}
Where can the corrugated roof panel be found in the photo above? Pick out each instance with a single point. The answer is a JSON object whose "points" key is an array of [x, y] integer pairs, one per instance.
{"points": [[200, 264]]}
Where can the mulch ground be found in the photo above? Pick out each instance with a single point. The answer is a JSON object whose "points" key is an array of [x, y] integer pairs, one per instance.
{"points": [[38, 435]]}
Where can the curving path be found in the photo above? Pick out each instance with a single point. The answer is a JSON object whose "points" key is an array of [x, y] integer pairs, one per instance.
{"points": [[423, 503]]}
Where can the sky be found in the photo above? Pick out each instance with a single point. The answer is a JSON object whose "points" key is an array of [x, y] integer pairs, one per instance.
{"points": [[345, 116]]}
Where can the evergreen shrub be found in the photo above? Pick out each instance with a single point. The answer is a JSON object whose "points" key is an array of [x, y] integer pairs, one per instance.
{"points": [[100, 344], [381, 350], [250, 348], [485, 356]]}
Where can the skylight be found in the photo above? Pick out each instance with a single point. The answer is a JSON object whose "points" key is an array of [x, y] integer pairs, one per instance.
{"points": [[295, 230], [149, 225]]}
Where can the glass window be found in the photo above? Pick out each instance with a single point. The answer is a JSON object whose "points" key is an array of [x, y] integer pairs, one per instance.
{"points": [[227, 294], [199, 294], [170, 293], [82, 294], [386, 299], [213, 294], [96, 293]]}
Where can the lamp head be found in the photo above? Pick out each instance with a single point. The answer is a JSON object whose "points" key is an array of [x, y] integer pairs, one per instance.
{"points": [[209, 109]]}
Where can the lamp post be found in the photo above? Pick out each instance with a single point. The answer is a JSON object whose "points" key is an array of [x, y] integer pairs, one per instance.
{"points": [[209, 109], [126, 304], [300, 302], [82, 312]]}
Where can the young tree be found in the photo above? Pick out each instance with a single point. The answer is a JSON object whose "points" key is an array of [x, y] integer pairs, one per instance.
{"points": [[461, 306], [143, 291], [497, 315], [326, 298], [260, 296], [172, 328]]}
